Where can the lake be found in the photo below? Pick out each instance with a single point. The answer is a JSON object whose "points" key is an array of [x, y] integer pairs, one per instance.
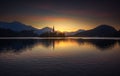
{"points": [[59, 56]]}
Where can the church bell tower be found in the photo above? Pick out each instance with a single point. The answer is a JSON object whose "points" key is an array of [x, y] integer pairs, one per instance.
{"points": [[53, 29]]}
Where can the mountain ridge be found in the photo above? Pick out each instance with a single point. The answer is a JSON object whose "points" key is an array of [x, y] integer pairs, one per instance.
{"points": [[15, 26], [100, 31]]}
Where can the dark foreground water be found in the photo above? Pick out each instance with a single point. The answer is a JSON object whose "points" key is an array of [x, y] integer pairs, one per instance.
{"points": [[59, 57]]}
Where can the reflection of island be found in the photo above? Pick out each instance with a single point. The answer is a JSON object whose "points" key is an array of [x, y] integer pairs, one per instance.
{"points": [[19, 45]]}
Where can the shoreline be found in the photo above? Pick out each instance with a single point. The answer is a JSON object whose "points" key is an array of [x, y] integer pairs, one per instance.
{"points": [[110, 38]]}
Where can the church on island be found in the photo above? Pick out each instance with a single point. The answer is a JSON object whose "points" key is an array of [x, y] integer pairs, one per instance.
{"points": [[53, 33]]}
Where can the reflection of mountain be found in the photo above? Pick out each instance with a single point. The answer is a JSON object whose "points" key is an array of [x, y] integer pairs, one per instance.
{"points": [[15, 45], [104, 44], [99, 43], [19, 45]]}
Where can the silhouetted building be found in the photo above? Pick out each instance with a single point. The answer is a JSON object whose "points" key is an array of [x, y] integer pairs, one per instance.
{"points": [[53, 29]]}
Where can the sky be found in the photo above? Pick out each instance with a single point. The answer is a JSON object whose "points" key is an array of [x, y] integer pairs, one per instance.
{"points": [[64, 15]]}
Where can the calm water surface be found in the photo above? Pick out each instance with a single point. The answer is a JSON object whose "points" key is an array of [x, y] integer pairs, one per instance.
{"points": [[60, 57]]}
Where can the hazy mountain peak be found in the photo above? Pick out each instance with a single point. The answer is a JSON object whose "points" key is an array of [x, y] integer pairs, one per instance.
{"points": [[43, 30], [74, 32], [48, 28], [80, 30]]}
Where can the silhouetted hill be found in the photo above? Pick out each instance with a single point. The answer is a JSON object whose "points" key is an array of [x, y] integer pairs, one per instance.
{"points": [[16, 26], [7, 33], [16, 29], [43, 30], [10, 33], [100, 31]]}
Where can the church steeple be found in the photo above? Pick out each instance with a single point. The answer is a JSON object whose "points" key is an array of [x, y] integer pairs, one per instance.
{"points": [[53, 29]]}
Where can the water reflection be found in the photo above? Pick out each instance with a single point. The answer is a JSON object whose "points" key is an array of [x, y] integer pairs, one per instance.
{"points": [[59, 57], [20, 45]]}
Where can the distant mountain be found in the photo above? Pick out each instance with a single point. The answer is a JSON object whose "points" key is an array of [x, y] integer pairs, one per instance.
{"points": [[74, 33], [16, 26], [16, 29], [43, 30], [100, 31]]}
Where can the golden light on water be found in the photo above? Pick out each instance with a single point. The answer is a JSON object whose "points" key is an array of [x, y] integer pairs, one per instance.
{"points": [[66, 43]]}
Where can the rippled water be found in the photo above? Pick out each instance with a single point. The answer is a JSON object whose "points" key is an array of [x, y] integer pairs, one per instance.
{"points": [[60, 56]]}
